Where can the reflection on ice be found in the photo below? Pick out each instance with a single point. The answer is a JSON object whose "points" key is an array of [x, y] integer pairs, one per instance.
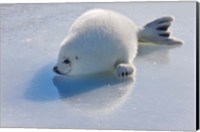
{"points": [[96, 95], [155, 53]]}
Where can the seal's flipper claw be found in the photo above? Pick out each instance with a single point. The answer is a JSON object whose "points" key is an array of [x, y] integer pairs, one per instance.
{"points": [[172, 41], [124, 70], [160, 21]]}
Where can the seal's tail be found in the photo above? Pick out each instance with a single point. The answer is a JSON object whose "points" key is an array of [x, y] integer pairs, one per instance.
{"points": [[157, 32]]}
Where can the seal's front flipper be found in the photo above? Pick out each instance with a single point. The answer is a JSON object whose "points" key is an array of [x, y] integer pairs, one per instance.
{"points": [[157, 32], [124, 70]]}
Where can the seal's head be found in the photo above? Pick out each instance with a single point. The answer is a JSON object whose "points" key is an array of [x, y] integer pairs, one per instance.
{"points": [[68, 58]]}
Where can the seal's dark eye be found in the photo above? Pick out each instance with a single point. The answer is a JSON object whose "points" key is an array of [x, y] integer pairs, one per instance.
{"points": [[66, 61]]}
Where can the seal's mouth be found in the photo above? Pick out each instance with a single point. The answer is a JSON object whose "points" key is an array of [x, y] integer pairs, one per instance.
{"points": [[55, 69]]}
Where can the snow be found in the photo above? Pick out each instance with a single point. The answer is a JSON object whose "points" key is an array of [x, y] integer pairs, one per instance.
{"points": [[161, 97]]}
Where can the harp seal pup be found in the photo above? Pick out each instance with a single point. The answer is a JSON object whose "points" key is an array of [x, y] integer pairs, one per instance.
{"points": [[103, 40]]}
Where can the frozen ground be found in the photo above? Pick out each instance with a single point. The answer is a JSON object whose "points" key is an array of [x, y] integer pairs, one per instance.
{"points": [[161, 97]]}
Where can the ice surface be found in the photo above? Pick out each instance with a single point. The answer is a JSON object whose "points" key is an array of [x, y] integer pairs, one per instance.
{"points": [[162, 95]]}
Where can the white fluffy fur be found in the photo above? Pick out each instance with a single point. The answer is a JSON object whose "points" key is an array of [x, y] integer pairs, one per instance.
{"points": [[98, 41]]}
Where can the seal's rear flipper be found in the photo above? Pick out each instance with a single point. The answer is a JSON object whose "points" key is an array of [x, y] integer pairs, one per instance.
{"points": [[157, 32]]}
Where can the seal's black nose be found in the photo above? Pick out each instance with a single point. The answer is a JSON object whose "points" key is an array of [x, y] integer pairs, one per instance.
{"points": [[55, 69]]}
